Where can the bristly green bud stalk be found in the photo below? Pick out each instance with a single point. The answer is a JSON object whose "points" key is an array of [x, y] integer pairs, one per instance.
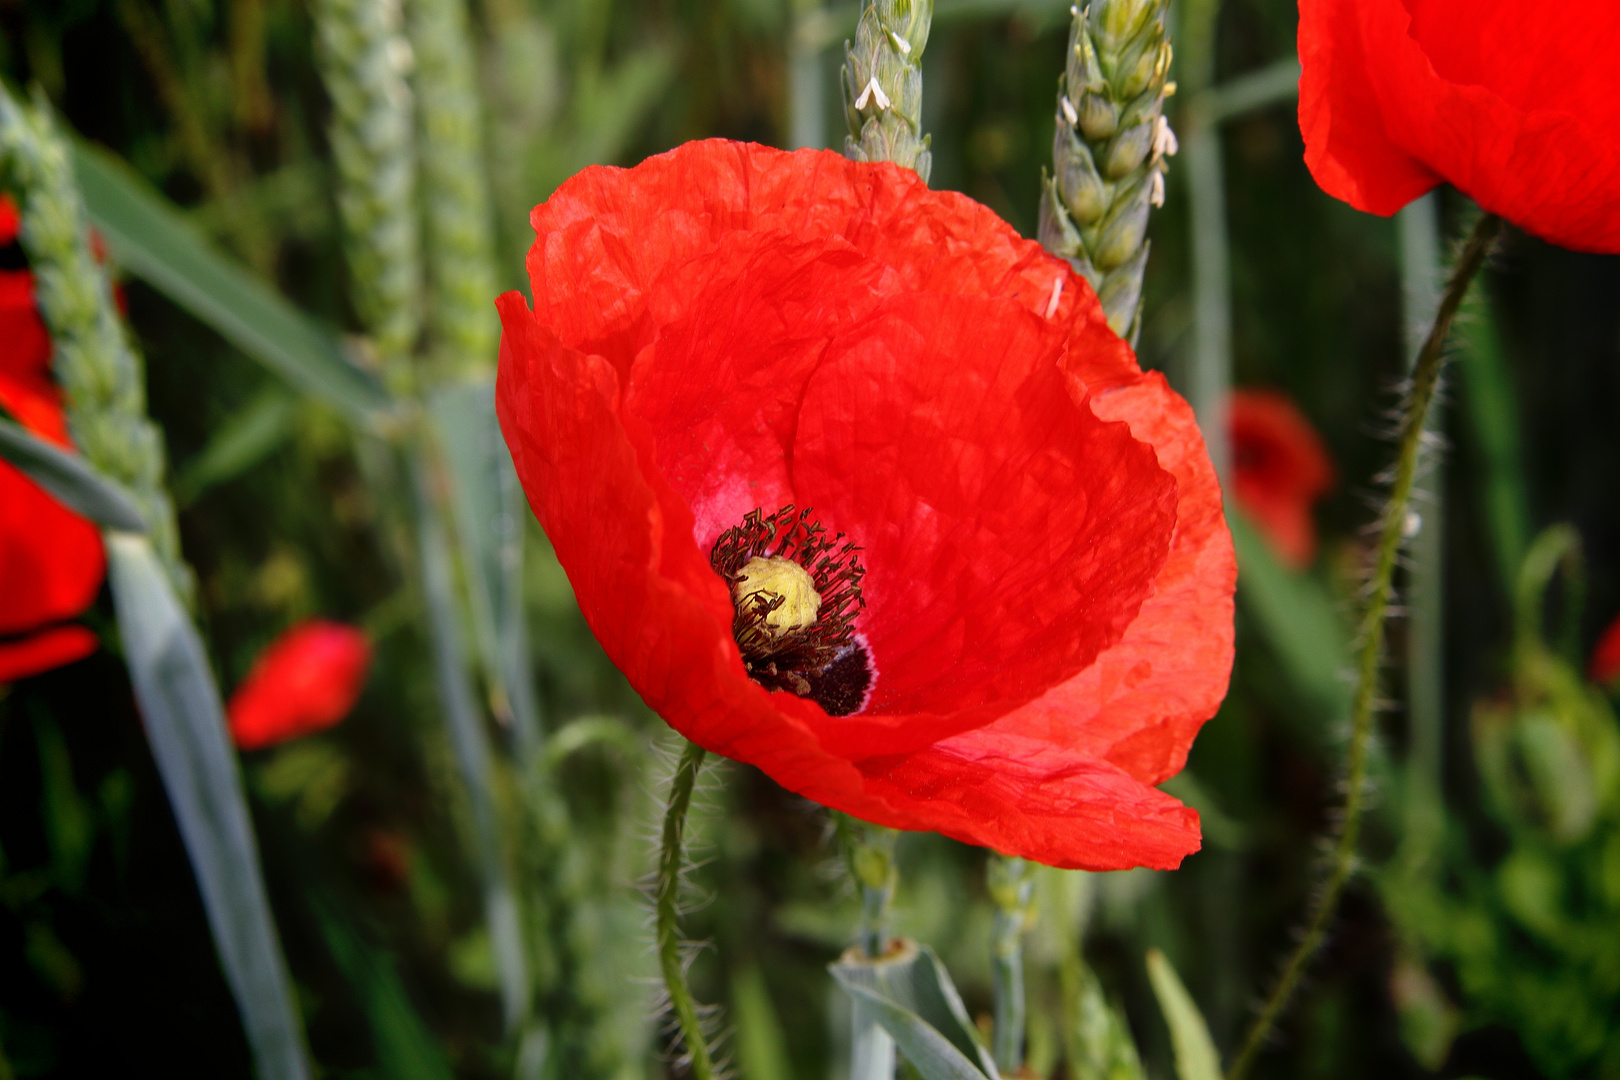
{"points": [[1109, 150], [883, 85], [462, 330], [101, 374], [364, 59]]}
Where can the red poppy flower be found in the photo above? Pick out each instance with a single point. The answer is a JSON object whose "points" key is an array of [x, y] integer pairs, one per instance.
{"points": [[1279, 469], [306, 681], [1519, 110], [51, 561], [856, 486], [1604, 667]]}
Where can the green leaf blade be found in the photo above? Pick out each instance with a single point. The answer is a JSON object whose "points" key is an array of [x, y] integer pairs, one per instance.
{"points": [[70, 479], [185, 725], [1196, 1056]]}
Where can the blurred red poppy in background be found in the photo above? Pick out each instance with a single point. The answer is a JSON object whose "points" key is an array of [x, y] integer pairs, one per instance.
{"points": [[1279, 470], [735, 356], [51, 560], [306, 681], [1517, 106], [1604, 667]]}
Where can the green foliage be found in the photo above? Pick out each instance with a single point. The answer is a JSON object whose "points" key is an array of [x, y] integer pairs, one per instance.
{"points": [[1534, 935]]}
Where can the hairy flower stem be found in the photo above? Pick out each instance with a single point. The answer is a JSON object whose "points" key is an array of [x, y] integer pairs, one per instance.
{"points": [[1012, 888], [883, 85], [667, 899], [1342, 863], [1109, 150]]}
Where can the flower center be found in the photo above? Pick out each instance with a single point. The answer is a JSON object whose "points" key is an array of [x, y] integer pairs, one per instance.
{"points": [[796, 592], [784, 588]]}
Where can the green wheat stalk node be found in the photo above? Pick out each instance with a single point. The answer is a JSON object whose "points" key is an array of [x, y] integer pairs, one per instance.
{"points": [[1109, 151]]}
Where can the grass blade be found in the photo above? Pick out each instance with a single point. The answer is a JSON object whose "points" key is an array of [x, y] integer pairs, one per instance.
{"points": [[185, 724], [1196, 1057], [70, 479], [470, 744], [489, 516]]}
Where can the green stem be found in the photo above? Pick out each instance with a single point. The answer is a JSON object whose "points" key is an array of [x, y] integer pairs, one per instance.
{"points": [[869, 854], [1425, 378], [669, 887], [1012, 888]]}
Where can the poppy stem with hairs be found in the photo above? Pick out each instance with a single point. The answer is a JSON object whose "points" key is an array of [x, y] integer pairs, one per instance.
{"points": [[1392, 532], [666, 900]]}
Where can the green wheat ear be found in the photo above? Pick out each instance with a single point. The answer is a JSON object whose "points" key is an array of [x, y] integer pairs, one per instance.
{"points": [[1109, 150], [365, 58], [883, 85], [96, 362]]}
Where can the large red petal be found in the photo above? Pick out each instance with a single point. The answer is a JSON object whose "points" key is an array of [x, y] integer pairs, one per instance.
{"points": [[51, 560], [625, 538], [1042, 780], [606, 238], [1347, 145], [1037, 799], [1519, 112], [1009, 535]]}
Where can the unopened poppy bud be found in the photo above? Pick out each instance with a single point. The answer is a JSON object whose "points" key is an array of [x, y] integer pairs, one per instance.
{"points": [[779, 580]]}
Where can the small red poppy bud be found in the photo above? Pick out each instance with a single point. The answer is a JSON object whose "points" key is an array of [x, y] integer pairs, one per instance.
{"points": [[1021, 574], [1279, 470], [306, 681], [1517, 107]]}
